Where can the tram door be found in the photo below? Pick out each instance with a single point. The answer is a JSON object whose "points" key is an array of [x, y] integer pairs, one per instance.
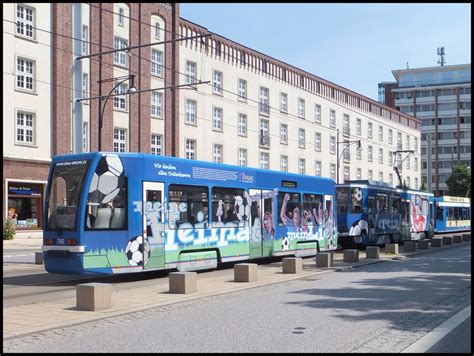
{"points": [[153, 225], [262, 230]]}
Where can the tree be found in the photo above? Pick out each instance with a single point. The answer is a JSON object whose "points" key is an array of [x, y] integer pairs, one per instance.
{"points": [[459, 182]]}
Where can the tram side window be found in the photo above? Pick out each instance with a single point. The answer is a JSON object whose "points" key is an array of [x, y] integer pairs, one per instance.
{"points": [[356, 200], [396, 204], [312, 209], [188, 206], [289, 209], [456, 213], [382, 203], [106, 212], [342, 199], [439, 213], [226, 203], [464, 214], [450, 213]]}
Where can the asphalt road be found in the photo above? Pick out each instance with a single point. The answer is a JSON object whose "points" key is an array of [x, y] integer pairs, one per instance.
{"points": [[382, 307]]}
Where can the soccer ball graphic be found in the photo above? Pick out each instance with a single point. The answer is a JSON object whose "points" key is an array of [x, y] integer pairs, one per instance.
{"points": [[357, 193], [242, 207], [106, 178], [285, 244], [358, 228], [134, 253]]}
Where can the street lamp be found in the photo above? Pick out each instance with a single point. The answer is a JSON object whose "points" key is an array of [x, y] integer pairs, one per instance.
{"points": [[131, 90], [359, 147]]}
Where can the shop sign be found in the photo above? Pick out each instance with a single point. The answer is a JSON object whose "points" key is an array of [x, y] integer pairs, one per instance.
{"points": [[24, 190]]}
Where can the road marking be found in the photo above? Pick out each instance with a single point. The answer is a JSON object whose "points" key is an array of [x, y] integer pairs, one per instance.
{"points": [[435, 335]]}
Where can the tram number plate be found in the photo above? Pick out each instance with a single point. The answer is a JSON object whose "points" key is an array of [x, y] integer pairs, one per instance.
{"points": [[60, 241]]}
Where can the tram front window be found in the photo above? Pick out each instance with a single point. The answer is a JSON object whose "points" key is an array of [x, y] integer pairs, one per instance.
{"points": [[65, 191]]}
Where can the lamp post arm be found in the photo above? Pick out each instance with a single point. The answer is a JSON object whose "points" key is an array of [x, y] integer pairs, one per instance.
{"points": [[107, 98]]}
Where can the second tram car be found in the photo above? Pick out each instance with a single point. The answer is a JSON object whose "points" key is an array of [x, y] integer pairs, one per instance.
{"points": [[452, 214]]}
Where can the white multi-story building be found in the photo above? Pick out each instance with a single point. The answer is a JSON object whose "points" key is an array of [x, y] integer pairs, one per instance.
{"points": [[261, 112]]}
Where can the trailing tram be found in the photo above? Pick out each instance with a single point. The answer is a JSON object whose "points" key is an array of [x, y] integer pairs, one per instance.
{"points": [[109, 213], [452, 214], [375, 213]]}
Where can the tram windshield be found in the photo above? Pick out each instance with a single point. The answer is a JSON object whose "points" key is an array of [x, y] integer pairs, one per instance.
{"points": [[65, 190]]}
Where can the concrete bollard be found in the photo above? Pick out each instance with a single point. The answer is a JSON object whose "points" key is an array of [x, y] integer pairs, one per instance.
{"points": [[391, 248], [351, 256], [466, 237], [436, 242], [324, 259], [423, 244], [457, 239], [447, 240], [183, 282], [245, 272], [38, 258], [372, 252], [409, 246], [292, 265], [93, 296]]}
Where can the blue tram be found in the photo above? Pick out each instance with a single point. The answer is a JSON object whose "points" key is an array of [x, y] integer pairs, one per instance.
{"points": [[375, 213], [128, 212], [452, 214]]}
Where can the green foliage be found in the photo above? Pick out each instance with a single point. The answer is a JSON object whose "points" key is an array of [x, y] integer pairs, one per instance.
{"points": [[459, 182], [9, 229]]}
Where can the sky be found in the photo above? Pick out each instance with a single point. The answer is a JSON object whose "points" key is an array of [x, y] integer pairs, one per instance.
{"points": [[353, 45]]}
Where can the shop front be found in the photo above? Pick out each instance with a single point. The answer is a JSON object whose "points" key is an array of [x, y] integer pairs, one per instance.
{"points": [[25, 204]]}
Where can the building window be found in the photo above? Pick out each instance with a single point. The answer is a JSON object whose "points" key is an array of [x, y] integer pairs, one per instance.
{"points": [[242, 90], [190, 149], [347, 152], [390, 156], [390, 179], [242, 125], [408, 142], [301, 138], [359, 173], [85, 87], [217, 82], [317, 168], [415, 164], [217, 153], [416, 183], [390, 136], [301, 108], [301, 166], [369, 153], [264, 132], [332, 171], [85, 136], [264, 160], [156, 144], [25, 24], [284, 133], [284, 102], [120, 58], [332, 118], [190, 72], [217, 119], [242, 157], [25, 74], [415, 145], [85, 40], [381, 176], [156, 62], [358, 126], [156, 104], [380, 133], [369, 130], [346, 129], [120, 101], [191, 109], [408, 162], [359, 153], [25, 128], [284, 163], [381, 155], [120, 140], [157, 30], [120, 17], [317, 113], [317, 141], [370, 175], [332, 145], [264, 101], [408, 182], [346, 173], [399, 141]]}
